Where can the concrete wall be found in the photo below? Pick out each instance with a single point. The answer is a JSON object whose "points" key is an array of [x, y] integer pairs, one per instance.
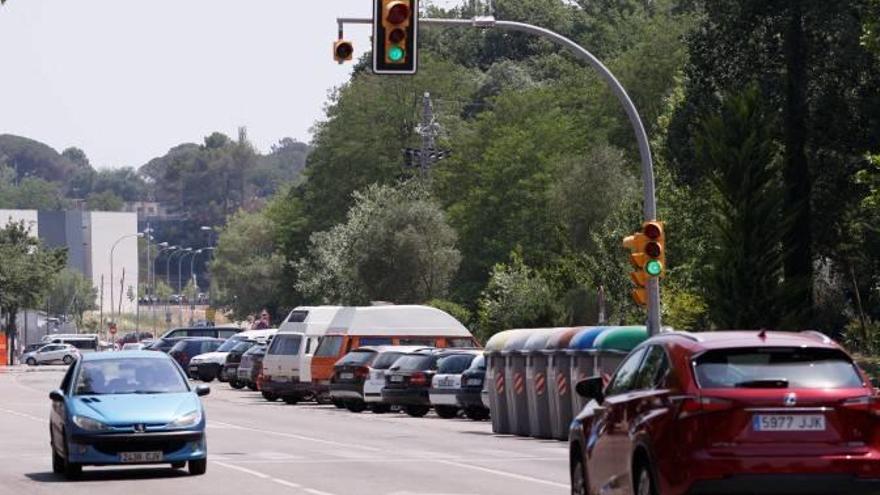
{"points": [[106, 229]]}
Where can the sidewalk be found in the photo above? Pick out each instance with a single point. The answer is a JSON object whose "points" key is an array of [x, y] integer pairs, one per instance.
{"points": [[23, 368]]}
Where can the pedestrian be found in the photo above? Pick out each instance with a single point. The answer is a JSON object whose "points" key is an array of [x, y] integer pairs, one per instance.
{"points": [[264, 322]]}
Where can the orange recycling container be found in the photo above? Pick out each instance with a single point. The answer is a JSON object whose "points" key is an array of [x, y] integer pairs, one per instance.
{"points": [[4, 352]]}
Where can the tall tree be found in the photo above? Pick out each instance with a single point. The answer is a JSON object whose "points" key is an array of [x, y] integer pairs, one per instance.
{"points": [[736, 148], [27, 270], [822, 86]]}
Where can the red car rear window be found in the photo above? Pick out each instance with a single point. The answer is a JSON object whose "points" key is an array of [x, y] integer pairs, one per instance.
{"points": [[776, 367]]}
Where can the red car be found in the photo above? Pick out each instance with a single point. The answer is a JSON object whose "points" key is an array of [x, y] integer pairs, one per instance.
{"points": [[729, 413]]}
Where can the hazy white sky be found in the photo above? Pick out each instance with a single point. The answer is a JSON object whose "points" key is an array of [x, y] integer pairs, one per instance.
{"points": [[126, 80]]}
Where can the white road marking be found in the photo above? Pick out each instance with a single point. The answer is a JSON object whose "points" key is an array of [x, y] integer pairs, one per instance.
{"points": [[298, 437], [371, 460], [278, 481], [505, 474], [23, 415], [243, 470], [286, 483]]}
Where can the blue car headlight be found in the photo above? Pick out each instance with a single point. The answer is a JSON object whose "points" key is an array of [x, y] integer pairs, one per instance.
{"points": [[191, 418], [89, 424]]}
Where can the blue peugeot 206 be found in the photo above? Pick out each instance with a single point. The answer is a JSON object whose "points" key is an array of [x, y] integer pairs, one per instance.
{"points": [[131, 407]]}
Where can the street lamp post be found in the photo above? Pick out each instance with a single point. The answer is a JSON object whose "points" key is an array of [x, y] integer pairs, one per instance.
{"points": [[192, 263], [112, 251], [165, 247], [189, 251], [181, 252]]}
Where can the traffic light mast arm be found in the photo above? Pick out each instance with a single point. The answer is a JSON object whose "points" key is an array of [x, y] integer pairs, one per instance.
{"points": [[647, 163]]}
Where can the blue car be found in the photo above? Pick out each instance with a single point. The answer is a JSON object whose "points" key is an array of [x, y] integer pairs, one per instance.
{"points": [[122, 408]]}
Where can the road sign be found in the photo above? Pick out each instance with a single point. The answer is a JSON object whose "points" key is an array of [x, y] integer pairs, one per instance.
{"points": [[210, 313]]}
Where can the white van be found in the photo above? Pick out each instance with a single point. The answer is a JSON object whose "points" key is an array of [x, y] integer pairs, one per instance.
{"points": [[287, 363], [84, 342], [207, 367]]}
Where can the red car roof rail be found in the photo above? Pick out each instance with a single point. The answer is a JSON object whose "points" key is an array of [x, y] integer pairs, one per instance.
{"points": [[680, 333]]}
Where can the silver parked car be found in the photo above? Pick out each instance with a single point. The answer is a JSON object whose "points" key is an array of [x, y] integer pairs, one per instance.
{"points": [[52, 353]]}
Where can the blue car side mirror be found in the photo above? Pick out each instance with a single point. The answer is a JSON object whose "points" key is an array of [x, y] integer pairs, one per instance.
{"points": [[56, 396], [202, 390]]}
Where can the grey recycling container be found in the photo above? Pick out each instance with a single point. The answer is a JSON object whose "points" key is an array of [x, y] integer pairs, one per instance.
{"points": [[559, 387], [515, 378], [583, 362], [495, 384], [537, 383]]}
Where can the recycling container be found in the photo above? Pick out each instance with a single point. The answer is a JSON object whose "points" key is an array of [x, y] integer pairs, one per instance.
{"points": [[515, 378], [537, 383], [583, 362], [613, 346], [559, 388], [495, 385]]}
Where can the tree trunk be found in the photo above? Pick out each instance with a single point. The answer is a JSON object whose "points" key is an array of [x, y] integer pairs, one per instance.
{"points": [[798, 185]]}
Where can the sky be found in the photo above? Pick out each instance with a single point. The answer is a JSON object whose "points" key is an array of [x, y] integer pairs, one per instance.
{"points": [[127, 80]]}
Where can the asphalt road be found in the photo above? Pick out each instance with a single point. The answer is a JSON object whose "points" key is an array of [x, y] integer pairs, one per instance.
{"points": [[256, 447]]}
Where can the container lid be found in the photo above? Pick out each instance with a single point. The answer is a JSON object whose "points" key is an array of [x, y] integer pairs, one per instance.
{"points": [[621, 339], [496, 342], [561, 338], [518, 340], [585, 338], [539, 338]]}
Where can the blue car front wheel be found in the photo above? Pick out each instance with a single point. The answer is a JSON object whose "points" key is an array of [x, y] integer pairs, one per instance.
{"points": [[198, 467]]}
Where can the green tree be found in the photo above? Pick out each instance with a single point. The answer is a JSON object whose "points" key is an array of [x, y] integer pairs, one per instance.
{"points": [[737, 150], [247, 270], [104, 201], [396, 246], [71, 293], [516, 297], [26, 272], [820, 84]]}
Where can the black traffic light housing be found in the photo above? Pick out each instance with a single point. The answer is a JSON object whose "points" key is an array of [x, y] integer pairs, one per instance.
{"points": [[343, 51], [395, 36]]}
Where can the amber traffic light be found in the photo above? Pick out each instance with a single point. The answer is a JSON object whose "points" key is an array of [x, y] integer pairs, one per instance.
{"points": [[395, 33], [343, 51], [647, 256]]}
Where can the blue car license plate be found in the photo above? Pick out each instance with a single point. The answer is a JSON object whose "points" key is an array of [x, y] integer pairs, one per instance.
{"points": [[140, 457]]}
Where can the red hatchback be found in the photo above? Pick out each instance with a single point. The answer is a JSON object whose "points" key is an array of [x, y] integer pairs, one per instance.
{"points": [[729, 413]]}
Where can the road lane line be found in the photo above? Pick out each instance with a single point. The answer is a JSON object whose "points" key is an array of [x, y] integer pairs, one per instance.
{"points": [[298, 437], [286, 483], [505, 474], [278, 481], [23, 415], [244, 470]]}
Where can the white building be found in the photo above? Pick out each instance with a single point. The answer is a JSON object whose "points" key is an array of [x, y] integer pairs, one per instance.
{"points": [[89, 238]]}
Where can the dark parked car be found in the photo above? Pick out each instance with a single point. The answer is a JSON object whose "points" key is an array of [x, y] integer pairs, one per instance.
{"points": [[229, 372], [215, 332], [186, 348], [250, 368], [470, 394], [447, 382], [164, 344], [349, 374], [133, 337], [729, 412], [407, 381]]}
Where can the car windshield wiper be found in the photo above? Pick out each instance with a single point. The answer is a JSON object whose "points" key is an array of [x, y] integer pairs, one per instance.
{"points": [[764, 383]]}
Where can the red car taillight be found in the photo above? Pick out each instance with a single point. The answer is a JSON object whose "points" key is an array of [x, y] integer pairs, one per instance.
{"points": [[692, 406], [362, 372], [868, 404], [418, 379]]}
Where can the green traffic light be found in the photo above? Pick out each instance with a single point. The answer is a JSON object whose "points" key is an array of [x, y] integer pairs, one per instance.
{"points": [[654, 268], [396, 54]]}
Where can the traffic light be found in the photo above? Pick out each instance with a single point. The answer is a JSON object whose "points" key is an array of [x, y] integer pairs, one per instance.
{"points": [[648, 258], [395, 36], [342, 51]]}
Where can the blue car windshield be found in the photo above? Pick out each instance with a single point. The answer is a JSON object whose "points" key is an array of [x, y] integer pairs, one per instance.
{"points": [[129, 376]]}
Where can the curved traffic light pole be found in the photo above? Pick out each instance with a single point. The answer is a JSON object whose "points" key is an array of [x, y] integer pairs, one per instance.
{"points": [[650, 200]]}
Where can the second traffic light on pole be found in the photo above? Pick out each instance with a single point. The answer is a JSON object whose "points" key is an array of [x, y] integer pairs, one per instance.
{"points": [[648, 257], [395, 36]]}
